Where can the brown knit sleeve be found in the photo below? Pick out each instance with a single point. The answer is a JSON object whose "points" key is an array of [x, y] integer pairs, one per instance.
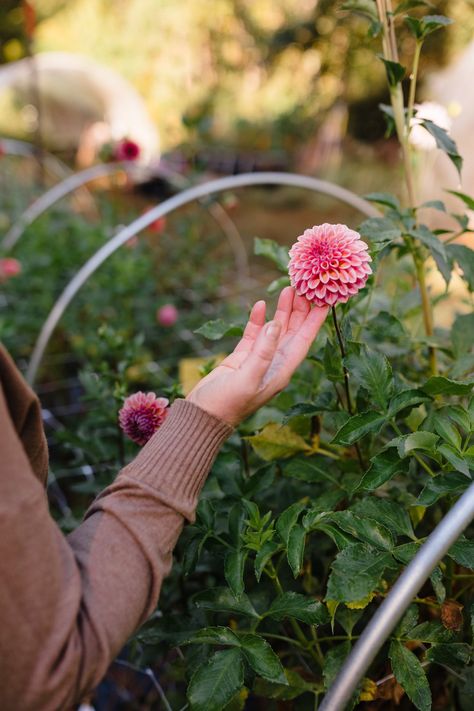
{"points": [[69, 604]]}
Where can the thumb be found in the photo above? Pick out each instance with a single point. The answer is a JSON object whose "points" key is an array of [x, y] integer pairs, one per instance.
{"points": [[258, 362]]}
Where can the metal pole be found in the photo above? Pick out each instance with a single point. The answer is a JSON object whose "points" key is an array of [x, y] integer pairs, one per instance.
{"points": [[142, 222], [396, 602]]}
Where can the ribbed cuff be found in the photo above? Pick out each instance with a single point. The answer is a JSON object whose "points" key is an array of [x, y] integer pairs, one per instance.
{"points": [[177, 459]]}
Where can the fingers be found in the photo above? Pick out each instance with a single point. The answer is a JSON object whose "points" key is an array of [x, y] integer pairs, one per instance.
{"points": [[253, 327], [284, 308], [301, 308], [258, 361]]}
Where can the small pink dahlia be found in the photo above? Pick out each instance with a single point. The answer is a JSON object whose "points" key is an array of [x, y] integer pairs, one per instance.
{"points": [[329, 264], [141, 415], [127, 150], [9, 267]]}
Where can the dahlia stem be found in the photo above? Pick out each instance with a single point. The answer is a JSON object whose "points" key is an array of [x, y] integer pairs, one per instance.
{"points": [[346, 380]]}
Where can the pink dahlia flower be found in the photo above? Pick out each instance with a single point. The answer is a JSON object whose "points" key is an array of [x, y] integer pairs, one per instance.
{"points": [[141, 415], [167, 315], [9, 267], [329, 264], [127, 150]]}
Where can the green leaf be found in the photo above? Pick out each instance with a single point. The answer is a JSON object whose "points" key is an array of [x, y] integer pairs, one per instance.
{"points": [[379, 229], [463, 552], [386, 199], [294, 687], [301, 607], [365, 8], [444, 142], [278, 284], [442, 425], [410, 674], [430, 632], [442, 485], [408, 622], [408, 5], [287, 520], [234, 565], [430, 240], [222, 600], [333, 661], [277, 442], [307, 470], [439, 385], [215, 330], [296, 544], [373, 372], [262, 658], [214, 683], [383, 468], [213, 635], [406, 552], [467, 199], [266, 552], [359, 425], [462, 334], [395, 71], [435, 205], [365, 528], [454, 656], [388, 513], [406, 399], [454, 458], [464, 256], [273, 251], [425, 441], [436, 579], [356, 572], [424, 26]]}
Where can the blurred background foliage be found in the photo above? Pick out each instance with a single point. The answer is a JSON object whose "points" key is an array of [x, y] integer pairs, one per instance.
{"points": [[262, 75]]}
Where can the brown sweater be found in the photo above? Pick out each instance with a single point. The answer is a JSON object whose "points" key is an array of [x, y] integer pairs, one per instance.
{"points": [[68, 604]]}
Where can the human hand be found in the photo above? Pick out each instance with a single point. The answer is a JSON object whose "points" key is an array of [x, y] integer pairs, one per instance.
{"points": [[263, 361]]}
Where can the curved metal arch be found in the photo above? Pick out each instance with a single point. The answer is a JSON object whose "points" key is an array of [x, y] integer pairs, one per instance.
{"points": [[58, 191], [15, 147], [400, 596], [187, 196]]}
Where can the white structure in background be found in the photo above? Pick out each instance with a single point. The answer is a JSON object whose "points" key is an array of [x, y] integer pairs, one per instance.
{"points": [[453, 88], [420, 138], [83, 104]]}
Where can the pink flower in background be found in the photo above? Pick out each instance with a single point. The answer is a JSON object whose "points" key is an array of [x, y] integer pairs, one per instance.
{"points": [[167, 315], [127, 150], [9, 267], [141, 415], [157, 226], [329, 264]]}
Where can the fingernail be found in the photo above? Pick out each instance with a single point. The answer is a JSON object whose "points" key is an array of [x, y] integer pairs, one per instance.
{"points": [[272, 330]]}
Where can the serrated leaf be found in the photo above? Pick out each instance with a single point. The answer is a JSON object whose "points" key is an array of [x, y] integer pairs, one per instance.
{"points": [[296, 545], [301, 607], [384, 467], [454, 656], [217, 329], [425, 441], [364, 528], [373, 372], [444, 142], [277, 442], [358, 426], [234, 565], [379, 229], [395, 71], [456, 460], [408, 621], [385, 199], [213, 635], [439, 385], [463, 552], [266, 552], [430, 240], [441, 423], [462, 334], [410, 675], [408, 5], [356, 572], [464, 256], [430, 632], [333, 661], [262, 658], [365, 8], [222, 600], [294, 687], [287, 520], [406, 399], [214, 683], [388, 513], [442, 485], [273, 251], [307, 470], [406, 552]]}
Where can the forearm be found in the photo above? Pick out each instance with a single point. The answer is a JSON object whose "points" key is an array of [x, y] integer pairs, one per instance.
{"points": [[80, 598]]}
